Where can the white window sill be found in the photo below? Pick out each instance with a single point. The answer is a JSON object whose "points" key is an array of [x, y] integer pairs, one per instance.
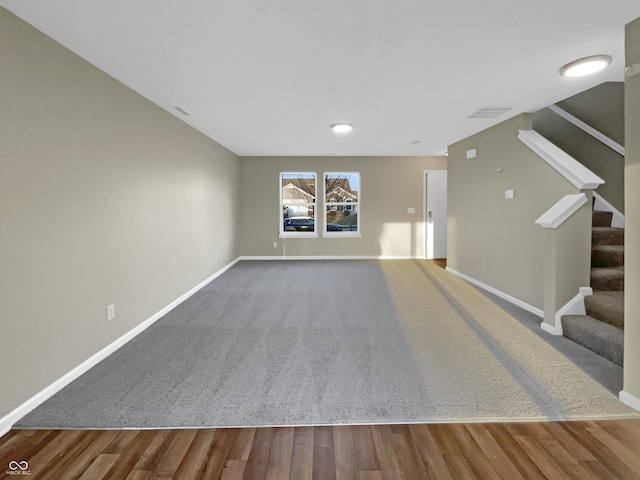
{"points": [[342, 235], [298, 235]]}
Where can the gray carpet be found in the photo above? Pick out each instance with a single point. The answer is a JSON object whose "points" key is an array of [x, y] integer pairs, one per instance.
{"points": [[337, 342]]}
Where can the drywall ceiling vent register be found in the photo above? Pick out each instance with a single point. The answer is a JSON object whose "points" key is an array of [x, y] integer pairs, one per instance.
{"points": [[491, 111], [182, 111]]}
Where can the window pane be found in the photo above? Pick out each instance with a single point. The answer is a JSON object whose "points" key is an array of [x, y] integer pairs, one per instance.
{"points": [[299, 218], [298, 188], [297, 198], [341, 220], [341, 187]]}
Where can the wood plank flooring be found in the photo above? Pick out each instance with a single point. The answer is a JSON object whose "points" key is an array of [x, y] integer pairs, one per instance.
{"points": [[606, 449]]}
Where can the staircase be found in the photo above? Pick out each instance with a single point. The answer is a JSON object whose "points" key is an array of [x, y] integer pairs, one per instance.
{"points": [[601, 330]]}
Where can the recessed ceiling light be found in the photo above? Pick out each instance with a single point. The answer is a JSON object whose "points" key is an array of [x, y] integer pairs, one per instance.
{"points": [[341, 127], [585, 66]]}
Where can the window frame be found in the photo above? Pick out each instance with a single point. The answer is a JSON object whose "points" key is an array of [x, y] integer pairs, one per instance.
{"points": [[347, 205], [283, 204]]}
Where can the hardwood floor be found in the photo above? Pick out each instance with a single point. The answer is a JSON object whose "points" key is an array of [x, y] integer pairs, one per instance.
{"points": [[608, 449]]}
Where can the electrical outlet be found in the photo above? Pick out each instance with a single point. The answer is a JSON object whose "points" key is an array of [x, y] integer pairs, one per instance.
{"points": [[275, 244], [216, 257], [111, 312]]}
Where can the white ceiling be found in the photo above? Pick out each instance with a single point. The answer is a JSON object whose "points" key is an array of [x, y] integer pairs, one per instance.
{"points": [[269, 77]]}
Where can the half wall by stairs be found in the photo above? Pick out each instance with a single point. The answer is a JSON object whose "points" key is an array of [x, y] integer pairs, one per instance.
{"points": [[601, 330]]}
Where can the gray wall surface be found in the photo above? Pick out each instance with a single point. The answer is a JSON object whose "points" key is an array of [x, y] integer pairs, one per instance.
{"points": [[105, 199], [490, 238], [388, 186], [593, 154], [632, 216], [600, 107]]}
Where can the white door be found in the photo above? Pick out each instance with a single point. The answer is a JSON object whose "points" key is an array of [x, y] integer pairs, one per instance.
{"points": [[435, 214]]}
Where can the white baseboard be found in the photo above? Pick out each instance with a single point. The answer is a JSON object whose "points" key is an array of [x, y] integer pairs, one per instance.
{"points": [[575, 306], [628, 399], [601, 204], [6, 422], [504, 296], [330, 257], [552, 330]]}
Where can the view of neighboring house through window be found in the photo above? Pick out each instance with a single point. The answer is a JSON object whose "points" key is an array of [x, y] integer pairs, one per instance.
{"points": [[342, 204], [298, 204]]}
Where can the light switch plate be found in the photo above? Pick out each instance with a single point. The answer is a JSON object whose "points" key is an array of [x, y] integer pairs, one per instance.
{"points": [[508, 194], [111, 312]]}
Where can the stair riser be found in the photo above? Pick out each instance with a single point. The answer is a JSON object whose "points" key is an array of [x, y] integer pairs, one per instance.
{"points": [[609, 237], [604, 314], [601, 219], [606, 341], [607, 259], [607, 284]]}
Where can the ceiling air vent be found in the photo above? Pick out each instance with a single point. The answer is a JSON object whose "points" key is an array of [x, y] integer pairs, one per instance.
{"points": [[181, 111], [491, 111]]}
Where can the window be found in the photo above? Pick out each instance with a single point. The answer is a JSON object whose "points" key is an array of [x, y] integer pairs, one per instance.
{"points": [[297, 204], [342, 204]]}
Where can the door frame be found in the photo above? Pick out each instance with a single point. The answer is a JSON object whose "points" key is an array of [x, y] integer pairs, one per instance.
{"points": [[424, 207]]}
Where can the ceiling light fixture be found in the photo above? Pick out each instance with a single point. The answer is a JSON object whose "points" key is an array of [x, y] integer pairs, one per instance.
{"points": [[342, 127], [585, 66]]}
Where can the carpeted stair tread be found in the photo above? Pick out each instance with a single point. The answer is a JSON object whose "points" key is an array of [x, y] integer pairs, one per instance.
{"points": [[607, 279], [601, 338], [601, 219], [607, 256], [607, 307], [607, 236]]}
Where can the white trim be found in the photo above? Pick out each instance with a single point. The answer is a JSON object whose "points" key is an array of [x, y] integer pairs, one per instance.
{"points": [[357, 204], [549, 329], [632, 70], [299, 234], [281, 232], [330, 257], [601, 204], [347, 234], [504, 296], [425, 211], [561, 211], [6, 422], [575, 306], [612, 144], [576, 173], [628, 399]]}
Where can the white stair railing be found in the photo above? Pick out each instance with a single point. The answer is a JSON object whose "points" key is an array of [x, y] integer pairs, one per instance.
{"points": [[568, 235], [612, 144]]}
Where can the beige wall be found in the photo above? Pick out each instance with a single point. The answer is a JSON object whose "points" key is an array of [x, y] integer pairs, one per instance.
{"points": [[388, 186], [104, 198], [632, 215], [567, 257], [495, 240], [600, 107], [593, 154]]}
